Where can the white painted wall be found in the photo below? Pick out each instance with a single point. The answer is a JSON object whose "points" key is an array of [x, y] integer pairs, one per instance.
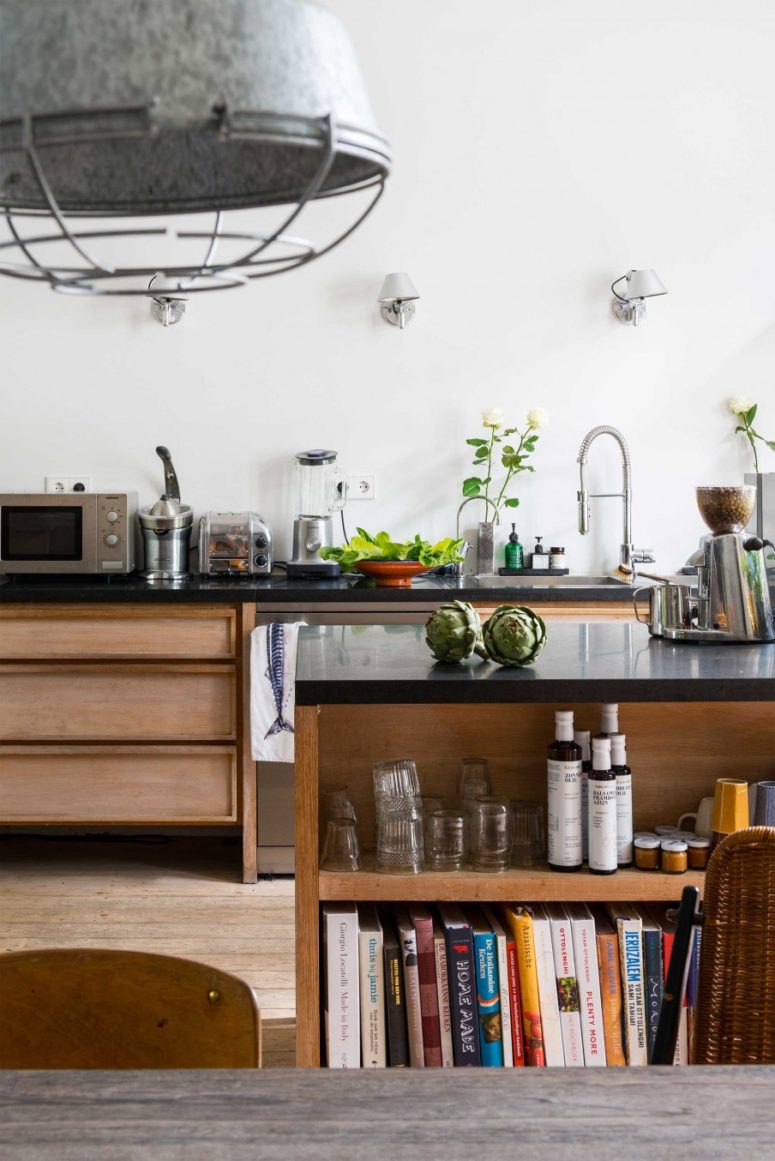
{"points": [[541, 148]]}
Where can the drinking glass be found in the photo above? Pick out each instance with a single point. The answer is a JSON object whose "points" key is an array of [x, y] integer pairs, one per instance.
{"points": [[400, 847], [764, 812], [395, 780], [341, 850], [730, 808], [444, 840], [528, 833], [474, 779], [490, 827], [335, 801]]}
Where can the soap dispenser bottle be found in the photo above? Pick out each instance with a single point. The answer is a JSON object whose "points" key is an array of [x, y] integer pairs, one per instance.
{"points": [[540, 557], [515, 557]]}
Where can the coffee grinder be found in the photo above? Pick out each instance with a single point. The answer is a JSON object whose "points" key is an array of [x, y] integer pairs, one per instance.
{"points": [[322, 491]]}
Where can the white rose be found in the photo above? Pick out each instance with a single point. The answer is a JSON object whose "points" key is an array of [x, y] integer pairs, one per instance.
{"points": [[537, 418], [492, 417], [739, 404]]}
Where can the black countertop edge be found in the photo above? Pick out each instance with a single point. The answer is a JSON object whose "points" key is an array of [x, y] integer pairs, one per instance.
{"points": [[412, 692], [279, 591]]}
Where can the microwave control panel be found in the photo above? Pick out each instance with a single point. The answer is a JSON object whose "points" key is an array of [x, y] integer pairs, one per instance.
{"points": [[115, 532]]}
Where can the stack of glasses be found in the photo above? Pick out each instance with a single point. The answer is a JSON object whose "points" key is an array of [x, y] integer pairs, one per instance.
{"points": [[400, 847]]}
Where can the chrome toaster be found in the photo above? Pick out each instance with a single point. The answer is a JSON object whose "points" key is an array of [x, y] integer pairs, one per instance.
{"points": [[234, 544]]}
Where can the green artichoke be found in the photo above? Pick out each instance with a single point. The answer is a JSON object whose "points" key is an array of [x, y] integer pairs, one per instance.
{"points": [[454, 632], [514, 635]]}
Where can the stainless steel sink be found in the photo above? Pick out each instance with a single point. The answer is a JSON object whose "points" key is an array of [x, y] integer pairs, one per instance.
{"points": [[565, 582]]}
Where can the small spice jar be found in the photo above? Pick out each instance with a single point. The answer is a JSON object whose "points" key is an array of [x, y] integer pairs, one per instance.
{"points": [[667, 830], [556, 558], [698, 852], [647, 851], [675, 859]]}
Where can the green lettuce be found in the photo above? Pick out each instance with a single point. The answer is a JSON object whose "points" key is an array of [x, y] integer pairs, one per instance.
{"points": [[363, 546]]}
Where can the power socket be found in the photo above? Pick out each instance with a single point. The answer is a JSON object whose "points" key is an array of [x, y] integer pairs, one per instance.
{"points": [[361, 487], [68, 483]]}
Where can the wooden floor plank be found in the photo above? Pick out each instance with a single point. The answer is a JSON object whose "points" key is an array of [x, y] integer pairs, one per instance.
{"points": [[177, 897]]}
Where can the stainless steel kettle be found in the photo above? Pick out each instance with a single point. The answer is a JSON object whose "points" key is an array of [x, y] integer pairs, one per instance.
{"points": [[166, 528]]}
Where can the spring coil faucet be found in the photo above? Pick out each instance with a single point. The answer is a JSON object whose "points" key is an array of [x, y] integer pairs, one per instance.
{"points": [[628, 555]]}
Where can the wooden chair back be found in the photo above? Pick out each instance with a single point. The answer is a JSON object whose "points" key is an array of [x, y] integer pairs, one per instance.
{"points": [[67, 1008], [736, 994]]}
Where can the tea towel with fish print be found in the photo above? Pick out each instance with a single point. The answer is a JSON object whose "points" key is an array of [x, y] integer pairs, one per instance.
{"points": [[273, 691]]}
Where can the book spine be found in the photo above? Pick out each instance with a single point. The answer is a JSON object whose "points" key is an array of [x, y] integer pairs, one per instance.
{"points": [[692, 985], [610, 996], [344, 1031], [488, 1000], [547, 992], [372, 995], [681, 1055], [429, 996], [652, 970], [442, 988], [397, 1041], [517, 1037], [630, 933], [528, 992], [462, 997], [503, 986], [585, 956], [412, 993], [567, 993]]}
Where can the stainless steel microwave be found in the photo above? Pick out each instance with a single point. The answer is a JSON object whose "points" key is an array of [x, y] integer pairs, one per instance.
{"points": [[77, 532]]}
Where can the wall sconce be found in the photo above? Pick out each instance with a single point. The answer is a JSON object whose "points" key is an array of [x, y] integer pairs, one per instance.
{"points": [[397, 298], [630, 307], [167, 309]]}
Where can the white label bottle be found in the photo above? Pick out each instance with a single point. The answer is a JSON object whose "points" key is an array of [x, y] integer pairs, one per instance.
{"points": [[602, 810], [564, 796], [625, 852], [581, 738]]}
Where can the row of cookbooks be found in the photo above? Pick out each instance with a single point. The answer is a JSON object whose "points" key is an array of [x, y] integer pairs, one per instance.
{"points": [[450, 985]]}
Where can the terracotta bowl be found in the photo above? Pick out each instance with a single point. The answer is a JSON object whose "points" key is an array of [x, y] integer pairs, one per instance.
{"points": [[391, 573]]}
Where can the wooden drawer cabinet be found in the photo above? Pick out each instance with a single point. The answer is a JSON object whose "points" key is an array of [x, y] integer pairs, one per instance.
{"points": [[117, 632], [125, 714], [118, 784], [133, 702]]}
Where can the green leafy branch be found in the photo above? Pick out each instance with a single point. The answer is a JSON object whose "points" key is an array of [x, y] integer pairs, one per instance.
{"points": [[746, 427], [512, 458]]}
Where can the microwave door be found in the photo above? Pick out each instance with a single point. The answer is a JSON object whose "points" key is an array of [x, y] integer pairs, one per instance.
{"points": [[41, 534]]}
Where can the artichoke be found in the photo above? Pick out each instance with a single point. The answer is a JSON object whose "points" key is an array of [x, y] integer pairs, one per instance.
{"points": [[514, 635], [454, 632]]}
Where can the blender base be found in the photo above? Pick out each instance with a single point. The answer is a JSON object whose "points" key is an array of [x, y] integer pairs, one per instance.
{"points": [[313, 570]]}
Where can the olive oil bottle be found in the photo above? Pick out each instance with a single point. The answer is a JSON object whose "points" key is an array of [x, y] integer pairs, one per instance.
{"points": [[625, 852], [564, 796]]}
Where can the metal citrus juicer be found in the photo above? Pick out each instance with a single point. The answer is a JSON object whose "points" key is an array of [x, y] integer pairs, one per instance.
{"points": [[166, 528], [733, 602]]}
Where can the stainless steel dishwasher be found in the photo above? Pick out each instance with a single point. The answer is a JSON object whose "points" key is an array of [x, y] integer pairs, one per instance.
{"points": [[275, 780]]}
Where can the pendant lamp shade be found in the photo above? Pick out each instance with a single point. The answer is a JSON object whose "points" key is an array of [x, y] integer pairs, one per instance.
{"points": [[129, 108]]}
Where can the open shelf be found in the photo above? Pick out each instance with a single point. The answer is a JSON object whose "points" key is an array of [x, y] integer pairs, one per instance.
{"points": [[518, 884]]}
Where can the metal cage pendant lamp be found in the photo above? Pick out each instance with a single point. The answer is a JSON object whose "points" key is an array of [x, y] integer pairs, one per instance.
{"points": [[150, 109]]}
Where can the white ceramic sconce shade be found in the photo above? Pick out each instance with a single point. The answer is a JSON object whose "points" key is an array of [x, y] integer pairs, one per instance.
{"points": [[630, 307], [397, 297]]}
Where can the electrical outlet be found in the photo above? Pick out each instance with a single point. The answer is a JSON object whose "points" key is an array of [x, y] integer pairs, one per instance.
{"points": [[68, 483], [361, 487]]}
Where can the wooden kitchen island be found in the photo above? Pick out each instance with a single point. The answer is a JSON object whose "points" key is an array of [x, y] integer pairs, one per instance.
{"points": [[691, 714]]}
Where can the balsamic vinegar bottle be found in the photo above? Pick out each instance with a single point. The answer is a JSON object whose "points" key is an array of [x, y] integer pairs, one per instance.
{"points": [[564, 793], [602, 810], [581, 738], [624, 848]]}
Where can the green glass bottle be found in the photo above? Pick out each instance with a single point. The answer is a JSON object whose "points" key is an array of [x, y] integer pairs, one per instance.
{"points": [[515, 557]]}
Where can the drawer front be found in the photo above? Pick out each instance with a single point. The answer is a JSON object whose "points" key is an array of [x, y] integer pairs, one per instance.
{"points": [[130, 703], [123, 633], [123, 784]]}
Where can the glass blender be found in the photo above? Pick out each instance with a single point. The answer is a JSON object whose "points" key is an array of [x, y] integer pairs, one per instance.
{"points": [[322, 492]]}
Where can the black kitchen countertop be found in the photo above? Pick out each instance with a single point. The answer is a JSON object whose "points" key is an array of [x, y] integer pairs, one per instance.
{"points": [[279, 591], [580, 663]]}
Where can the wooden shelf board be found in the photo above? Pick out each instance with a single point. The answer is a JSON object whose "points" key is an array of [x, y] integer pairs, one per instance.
{"points": [[536, 884]]}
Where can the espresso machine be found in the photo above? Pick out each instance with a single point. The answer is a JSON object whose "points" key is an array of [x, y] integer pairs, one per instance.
{"points": [[322, 492], [732, 600]]}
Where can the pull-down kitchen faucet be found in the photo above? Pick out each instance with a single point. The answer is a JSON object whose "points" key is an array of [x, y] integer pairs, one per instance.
{"points": [[628, 555]]}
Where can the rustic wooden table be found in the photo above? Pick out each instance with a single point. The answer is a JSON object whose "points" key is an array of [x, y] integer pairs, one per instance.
{"points": [[716, 1114]]}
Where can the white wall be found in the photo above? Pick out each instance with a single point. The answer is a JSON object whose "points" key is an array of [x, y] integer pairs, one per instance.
{"points": [[541, 148]]}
